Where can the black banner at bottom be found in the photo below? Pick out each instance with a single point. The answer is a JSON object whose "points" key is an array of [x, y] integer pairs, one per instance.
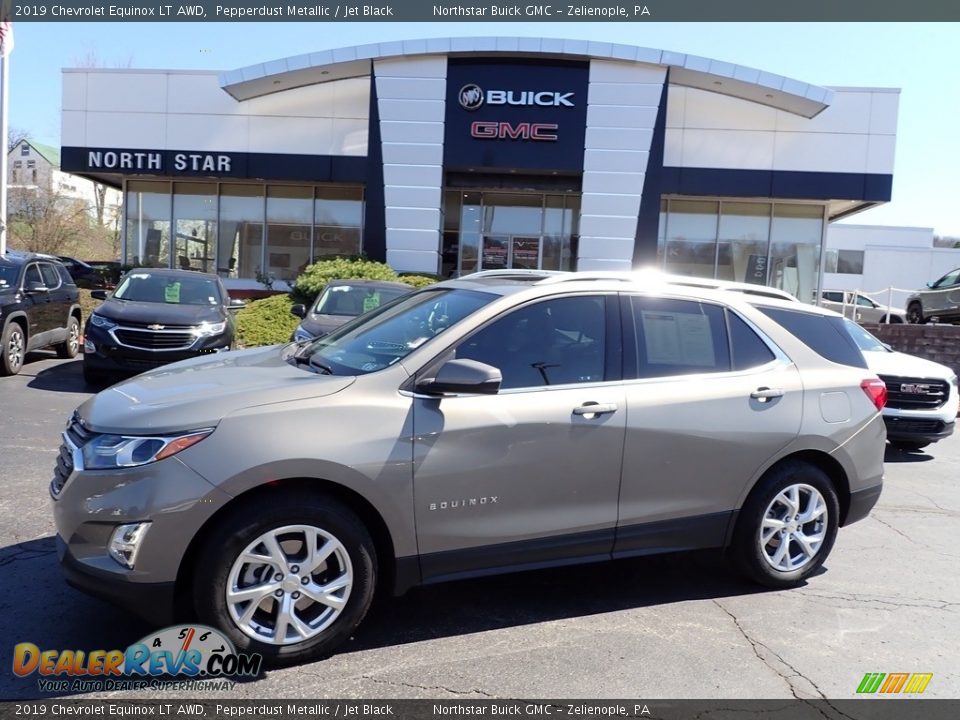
{"points": [[877, 708]]}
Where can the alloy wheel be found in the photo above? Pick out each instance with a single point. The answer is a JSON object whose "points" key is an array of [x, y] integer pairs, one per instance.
{"points": [[793, 527], [73, 341], [15, 349], [289, 584]]}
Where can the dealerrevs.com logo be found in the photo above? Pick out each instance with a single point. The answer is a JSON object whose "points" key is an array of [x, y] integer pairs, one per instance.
{"points": [[194, 653]]}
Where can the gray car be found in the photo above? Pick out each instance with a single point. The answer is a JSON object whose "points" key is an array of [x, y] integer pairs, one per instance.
{"points": [[940, 300], [499, 422]]}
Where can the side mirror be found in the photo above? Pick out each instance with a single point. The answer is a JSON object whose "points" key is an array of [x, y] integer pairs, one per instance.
{"points": [[463, 376], [98, 294], [236, 304], [35, 288], [888, 346], [299, 310]]}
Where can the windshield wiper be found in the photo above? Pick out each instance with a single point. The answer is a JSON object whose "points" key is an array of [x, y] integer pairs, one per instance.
{"points": [[319, 366]]}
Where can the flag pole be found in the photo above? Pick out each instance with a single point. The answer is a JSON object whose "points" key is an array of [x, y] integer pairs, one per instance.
{"points": [[6, 43]]}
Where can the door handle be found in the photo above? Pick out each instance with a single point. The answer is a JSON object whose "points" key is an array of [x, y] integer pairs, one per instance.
{"points": [[764, 393], [592, 409]]}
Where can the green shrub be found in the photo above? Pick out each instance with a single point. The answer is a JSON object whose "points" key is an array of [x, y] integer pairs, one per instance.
{"points": [[419, 281], [315, 277], [266, 322]]}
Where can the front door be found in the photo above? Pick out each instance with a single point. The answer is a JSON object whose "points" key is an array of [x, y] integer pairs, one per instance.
{"points": [[510, 252], [530, 475]]}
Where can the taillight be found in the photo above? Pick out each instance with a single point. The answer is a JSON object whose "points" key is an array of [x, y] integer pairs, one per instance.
{"points": [[876, 390]]}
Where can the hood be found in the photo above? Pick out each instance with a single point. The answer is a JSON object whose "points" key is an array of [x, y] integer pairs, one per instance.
{"points": [[200, 392], [162, 313], [903, 365], [318, 325]]}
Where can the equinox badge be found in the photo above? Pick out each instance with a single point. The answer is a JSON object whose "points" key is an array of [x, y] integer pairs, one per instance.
{"points": [[466, 502]]}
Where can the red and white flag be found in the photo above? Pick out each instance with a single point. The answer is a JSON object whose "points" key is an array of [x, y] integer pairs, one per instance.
{"points": [[6, 38]]}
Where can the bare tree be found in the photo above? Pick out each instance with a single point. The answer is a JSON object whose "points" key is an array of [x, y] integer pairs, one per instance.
{"points": [[15, 136], [44, 220]]}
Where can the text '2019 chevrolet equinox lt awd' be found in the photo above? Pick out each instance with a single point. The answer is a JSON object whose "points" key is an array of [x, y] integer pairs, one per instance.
{"points": [[493, 423]]}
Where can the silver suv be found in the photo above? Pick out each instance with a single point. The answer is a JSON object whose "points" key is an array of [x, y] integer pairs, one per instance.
{"points": [[498, 422]]}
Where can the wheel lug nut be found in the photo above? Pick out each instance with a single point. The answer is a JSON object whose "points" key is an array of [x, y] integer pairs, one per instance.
{"points": [[305, 581], [279, 593], [295, 569], [296, 595], [278, 577]]}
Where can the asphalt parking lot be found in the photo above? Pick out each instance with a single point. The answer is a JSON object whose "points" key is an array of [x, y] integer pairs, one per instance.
{"points": [[667, 627]]}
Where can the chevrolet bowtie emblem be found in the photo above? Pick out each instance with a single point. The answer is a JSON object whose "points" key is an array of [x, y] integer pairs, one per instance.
{"points": [[155, 327]]}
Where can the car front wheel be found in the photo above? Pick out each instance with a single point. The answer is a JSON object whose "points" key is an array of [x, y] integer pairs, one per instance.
{"points": [[787, 527], [290, 580], [915, 314], [13, 348]]}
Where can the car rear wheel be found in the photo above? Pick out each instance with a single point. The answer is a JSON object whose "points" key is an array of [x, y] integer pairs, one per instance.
{"points": [[787, 527], [907, 446], [13, 349], [915, 314], [290, 580], [71, 346]]}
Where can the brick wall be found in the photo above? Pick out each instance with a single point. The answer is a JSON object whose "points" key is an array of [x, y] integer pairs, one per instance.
{"points": [[940, 343]]}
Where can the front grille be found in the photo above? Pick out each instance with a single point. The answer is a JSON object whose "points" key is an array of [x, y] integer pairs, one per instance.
{"points": [[154, 340], [146, 326], [76, 435], [908, 425], [912, 393]]}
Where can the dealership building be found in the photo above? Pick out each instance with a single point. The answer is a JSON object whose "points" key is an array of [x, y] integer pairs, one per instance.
{"points": [[455, 155]]}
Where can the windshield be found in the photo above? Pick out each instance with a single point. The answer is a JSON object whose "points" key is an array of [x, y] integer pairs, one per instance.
{"points": [[350, 300], [8, 276], [178, 290], [864, 340], [375, 341]]}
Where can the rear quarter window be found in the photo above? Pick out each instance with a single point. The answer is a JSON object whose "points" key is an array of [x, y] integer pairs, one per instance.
{"points": [[825, 335]]}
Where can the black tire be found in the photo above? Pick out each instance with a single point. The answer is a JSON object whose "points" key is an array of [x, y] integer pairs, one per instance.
{"points": [[69, 348], [908, 446], [915, 314], [748, 555], [893, 320], [241, 527], [13, 348]]}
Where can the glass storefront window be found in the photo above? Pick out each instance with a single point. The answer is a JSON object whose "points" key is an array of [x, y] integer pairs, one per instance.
{"points": [[795, 249], [338, 221], [148, 224], [289, 226], [470, 227], [744, 236], [195, 222], [240, 246], [691, 237]]}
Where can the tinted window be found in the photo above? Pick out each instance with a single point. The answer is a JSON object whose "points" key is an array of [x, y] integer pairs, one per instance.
{"points": [[864, 340], [352, 300], [679, 337], [64, 275], [8, 275], [833, 297], [556, 342], [749, 351], [50, 277], [825, 335], [32, 275]]}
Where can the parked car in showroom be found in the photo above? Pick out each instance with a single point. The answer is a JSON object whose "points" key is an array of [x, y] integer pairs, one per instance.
{"points": [[39, 307], [922, 396], [860, 308], [498, 422], [940, 300], [154, 317], [341, 301]]}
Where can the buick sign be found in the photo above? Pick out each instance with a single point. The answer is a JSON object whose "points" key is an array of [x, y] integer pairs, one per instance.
{"points": [[472, 97]]}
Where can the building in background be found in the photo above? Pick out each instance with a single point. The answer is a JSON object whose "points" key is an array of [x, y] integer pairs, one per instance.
{"points": [[454, 155]]}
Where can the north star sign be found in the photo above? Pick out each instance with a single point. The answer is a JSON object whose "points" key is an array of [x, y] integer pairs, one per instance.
{"points": [[147, 161]]}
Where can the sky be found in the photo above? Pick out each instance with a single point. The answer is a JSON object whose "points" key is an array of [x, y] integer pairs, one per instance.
{"points": [[918, 58]]}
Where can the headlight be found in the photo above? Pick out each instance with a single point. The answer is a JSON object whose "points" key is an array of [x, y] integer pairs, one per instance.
{"points": [[104, 452], [953, 380], [205, 329], [102, 322], [299, 335]]}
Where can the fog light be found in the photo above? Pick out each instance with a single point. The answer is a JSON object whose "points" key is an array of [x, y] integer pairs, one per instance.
{"points": [[125, 543], [88, 346]]}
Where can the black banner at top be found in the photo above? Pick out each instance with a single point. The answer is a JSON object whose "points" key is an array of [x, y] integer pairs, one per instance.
{"points": [[478, 10]]}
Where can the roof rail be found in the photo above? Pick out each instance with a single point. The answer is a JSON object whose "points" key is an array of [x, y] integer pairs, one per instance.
{"points": [[591, 275], [515, 274]]}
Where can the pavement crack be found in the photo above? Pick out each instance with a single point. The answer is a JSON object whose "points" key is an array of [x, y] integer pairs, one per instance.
{"points": [[415, 686], [13, 553], [898, 532], [756, 645], [906, 603]]}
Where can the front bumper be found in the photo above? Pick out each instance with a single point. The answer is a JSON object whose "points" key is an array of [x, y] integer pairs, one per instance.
{"points": [[108, 356], [910, 429]]}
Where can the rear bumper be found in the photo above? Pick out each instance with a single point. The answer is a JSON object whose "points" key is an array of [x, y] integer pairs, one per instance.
{"points": [[861, 503], [916, 429]]}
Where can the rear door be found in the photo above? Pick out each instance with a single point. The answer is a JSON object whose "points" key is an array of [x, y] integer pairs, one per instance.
{"points": [[710, 402], [58, 307], [530, 475], [36, 305]]}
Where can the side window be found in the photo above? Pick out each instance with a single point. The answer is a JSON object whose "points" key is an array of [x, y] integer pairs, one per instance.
{"points": [[679, 337], [947, 280], [833, 297], [32, 275], [749, 351], [555, 342], [65, 277], [50, 277], [865, 302], [825, 335]]}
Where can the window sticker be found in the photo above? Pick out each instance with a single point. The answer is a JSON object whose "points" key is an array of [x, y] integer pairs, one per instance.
{"points": [[673, 338], [171, 293], [371, 302]]}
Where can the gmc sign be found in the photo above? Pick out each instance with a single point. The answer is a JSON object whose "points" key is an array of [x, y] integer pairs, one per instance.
{"points": [[500, 130]]}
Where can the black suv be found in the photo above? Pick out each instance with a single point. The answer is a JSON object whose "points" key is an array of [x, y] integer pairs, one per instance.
{"points": [[39, 307]]}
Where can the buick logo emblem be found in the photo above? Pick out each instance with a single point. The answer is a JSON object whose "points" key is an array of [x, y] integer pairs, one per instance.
{"points": [[470, 97]]}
